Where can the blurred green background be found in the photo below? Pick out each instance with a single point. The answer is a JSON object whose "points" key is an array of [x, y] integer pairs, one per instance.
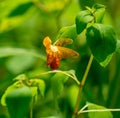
{"points": [[24, 24]]}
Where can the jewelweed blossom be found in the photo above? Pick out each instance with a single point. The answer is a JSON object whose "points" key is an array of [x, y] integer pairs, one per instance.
{"points": [[56, 52]]}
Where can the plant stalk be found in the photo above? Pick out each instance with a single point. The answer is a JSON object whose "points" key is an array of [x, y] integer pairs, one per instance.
{"points": [[81, 87]]}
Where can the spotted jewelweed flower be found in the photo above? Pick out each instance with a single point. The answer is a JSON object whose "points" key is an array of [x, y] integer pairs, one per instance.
{"points": [[56, 52]]}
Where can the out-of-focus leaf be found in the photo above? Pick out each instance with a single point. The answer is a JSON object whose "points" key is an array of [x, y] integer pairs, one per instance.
{"points": [[72, 95], [106, 114], [6, 6], [20, 10], [82, 19], [67, 32], [20, 96], [18, 64], [53, 7], [57, 83], [11, 51], [102, 41]]}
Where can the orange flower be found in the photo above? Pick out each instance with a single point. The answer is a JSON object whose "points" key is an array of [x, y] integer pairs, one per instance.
{"points": [[55, 52]]}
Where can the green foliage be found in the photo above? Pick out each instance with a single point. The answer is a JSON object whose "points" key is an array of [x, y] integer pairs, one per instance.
{"points": [[72, 95], [57, 83], [20, 10], [105, 114], [19, 64], [22, 93], [16, 96], [118, 46], [100, 38], [95, 14], [40, 84], [23, 26], [82, 19], [20, 77], [102, 41], [12, 51], [99, 12], [67, 32]]}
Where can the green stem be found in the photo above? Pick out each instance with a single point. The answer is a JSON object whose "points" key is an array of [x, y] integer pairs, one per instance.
{"points": [[98, 110], [58, 71], [31, 109], [81, 87]]}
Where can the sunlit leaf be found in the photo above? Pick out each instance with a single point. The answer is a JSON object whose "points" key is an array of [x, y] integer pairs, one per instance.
{"points": [[106, 114], [102, 42]]}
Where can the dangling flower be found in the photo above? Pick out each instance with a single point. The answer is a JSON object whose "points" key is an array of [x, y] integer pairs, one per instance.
{"points": [[56, 52]]}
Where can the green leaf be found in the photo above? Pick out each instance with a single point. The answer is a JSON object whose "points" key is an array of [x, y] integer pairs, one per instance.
{"points": [[11, 51], [99, 11], [35, 93], [72, 72], [40, 84], [21, 9], [118, 46], [20, 97], [106, 114], [10, 88], [82, 19], [84, 3], [18, 64], [20, 77], [67, 32], [57, 83], [7, 7], [102, 42], [106, 61], [72, 93]]}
